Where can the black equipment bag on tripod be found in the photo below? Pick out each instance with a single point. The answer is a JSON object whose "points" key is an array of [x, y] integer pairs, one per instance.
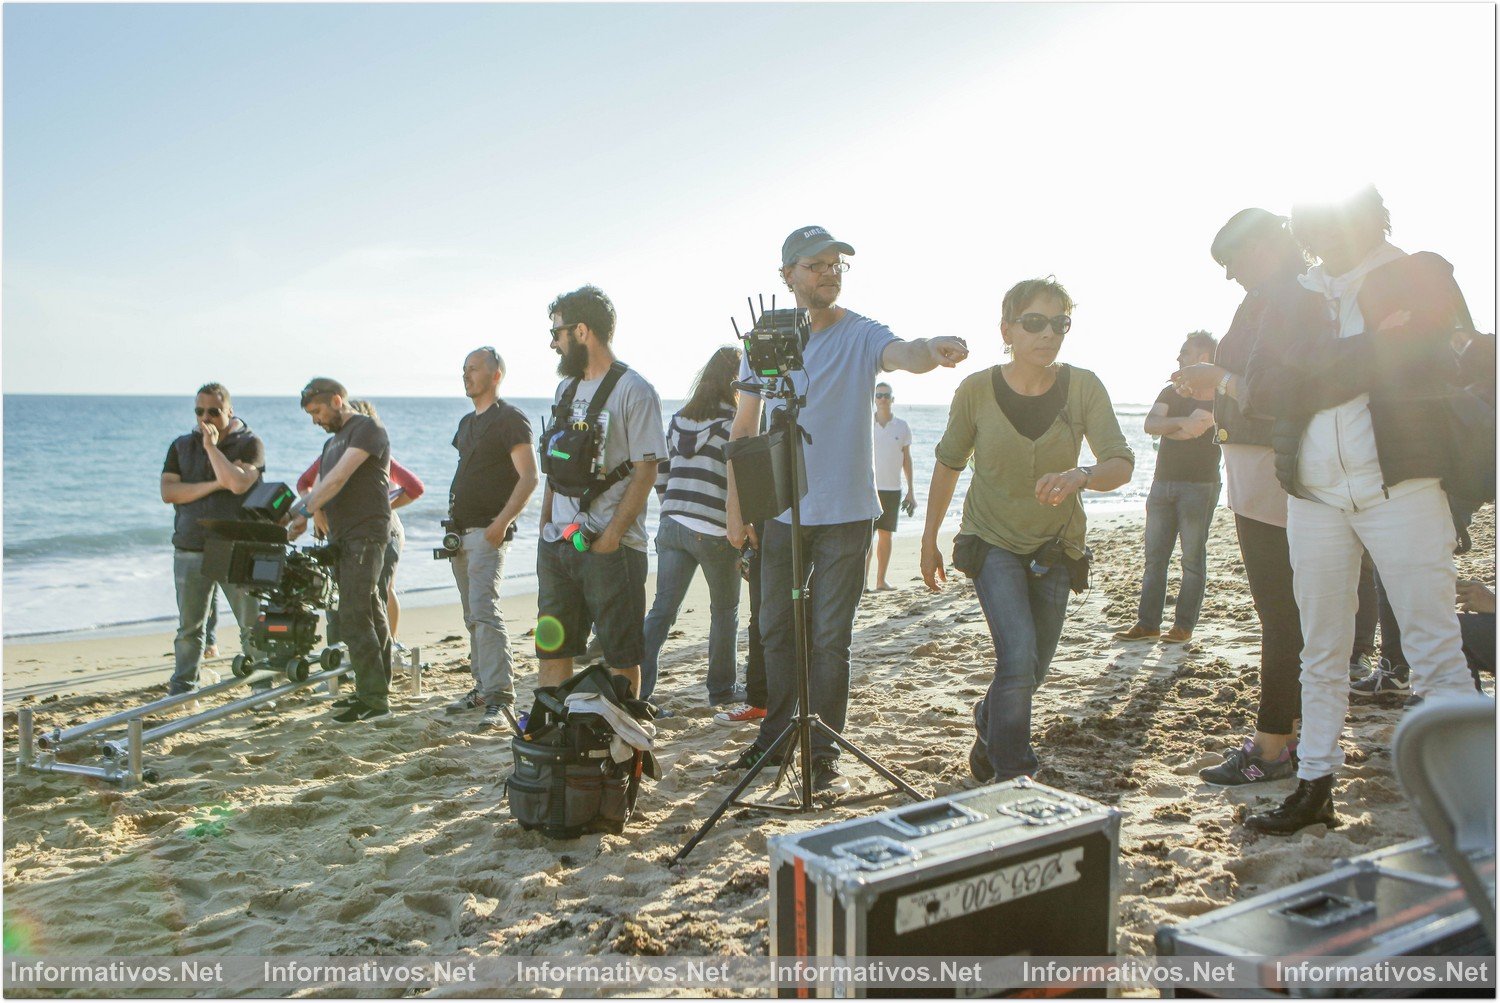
{"points": [[565, 782], [762, 480]]}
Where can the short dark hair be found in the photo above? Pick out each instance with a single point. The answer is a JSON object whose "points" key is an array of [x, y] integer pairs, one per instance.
{"points": [[320, 388], [218, 390], [1029, 289], [586, 305], [1202, 341], [494, 356], [1250, 226]]}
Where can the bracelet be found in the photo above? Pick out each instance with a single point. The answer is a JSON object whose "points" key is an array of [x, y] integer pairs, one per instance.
{"points": [[1224, 383]]}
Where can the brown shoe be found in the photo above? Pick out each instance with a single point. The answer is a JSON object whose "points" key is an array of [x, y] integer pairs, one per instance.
{"points": [[1177, 636], [1137, 633]]}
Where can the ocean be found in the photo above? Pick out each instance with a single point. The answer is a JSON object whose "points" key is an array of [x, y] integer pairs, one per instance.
{"points": [[88, 540]]}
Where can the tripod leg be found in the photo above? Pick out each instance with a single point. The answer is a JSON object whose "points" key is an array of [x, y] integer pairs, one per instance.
{"points": [[865, 758], [734, 795]]}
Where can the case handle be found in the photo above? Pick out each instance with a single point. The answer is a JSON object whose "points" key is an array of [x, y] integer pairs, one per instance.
{"points": [[924, 820]]}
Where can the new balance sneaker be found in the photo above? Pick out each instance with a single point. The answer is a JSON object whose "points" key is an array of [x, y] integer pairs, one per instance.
{"points": [[1359, 667], [1242, 766], [1137, 633], [828, 779], [1383, 680], [469, 701], [741, 714], [360, 712], [493, 716]]}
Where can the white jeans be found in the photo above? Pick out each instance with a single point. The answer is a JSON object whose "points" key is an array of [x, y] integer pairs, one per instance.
{"points": [[1410, 538]]}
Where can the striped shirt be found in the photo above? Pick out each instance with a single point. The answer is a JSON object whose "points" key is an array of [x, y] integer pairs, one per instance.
{"points": [[693, 485]]}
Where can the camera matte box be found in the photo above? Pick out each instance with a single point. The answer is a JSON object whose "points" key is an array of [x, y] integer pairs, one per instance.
{"points": [[1400, 901], [1016, 868], [761, 477]]}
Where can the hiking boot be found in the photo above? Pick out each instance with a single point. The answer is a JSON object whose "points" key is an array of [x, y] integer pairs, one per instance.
{"points": [[979, 762], [1310, 804], [748, 759], [359, 712], [1381, 681], [469, 701], [493, 717], [1243, 766], [1177, 635], [742, 714], [1137, 633], [827, 778]]}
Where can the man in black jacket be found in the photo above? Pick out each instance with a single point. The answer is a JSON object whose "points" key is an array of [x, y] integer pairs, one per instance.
{"points": [[206, 472], [1356, 380]]}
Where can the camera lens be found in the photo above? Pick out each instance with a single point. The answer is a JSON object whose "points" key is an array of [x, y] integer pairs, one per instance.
{"points": [[452, 541]]}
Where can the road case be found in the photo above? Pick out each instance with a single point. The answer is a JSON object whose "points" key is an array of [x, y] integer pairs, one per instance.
{"points": [[1017, 868]]}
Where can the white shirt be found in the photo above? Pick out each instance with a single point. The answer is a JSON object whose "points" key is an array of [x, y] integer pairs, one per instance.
{"points": [[890, 439], [1337, 464]]}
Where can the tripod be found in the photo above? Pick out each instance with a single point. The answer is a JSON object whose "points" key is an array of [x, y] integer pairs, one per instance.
{"points": [[804, 722]]}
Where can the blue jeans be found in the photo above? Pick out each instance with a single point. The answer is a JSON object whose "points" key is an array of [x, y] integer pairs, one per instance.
{"points": [[1025, 615], [1176, 509], [834, 558], [679, 553]]}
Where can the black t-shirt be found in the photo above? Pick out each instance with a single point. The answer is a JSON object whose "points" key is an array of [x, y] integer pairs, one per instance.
{"points": [[187, 458], [1195, 460], [486, 474], [1031, 416], [362, 508]]}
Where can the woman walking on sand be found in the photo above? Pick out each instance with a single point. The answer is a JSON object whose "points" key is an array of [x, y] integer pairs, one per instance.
{"points": [[1022, 425]]}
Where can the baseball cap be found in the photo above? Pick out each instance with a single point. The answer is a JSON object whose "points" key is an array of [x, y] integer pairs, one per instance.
{"points": [[806, 241]]}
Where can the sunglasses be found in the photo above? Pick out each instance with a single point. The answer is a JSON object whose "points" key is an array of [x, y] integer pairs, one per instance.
{"points": [[1036, 323], [881, 396], [559, 330], [212, 412]]}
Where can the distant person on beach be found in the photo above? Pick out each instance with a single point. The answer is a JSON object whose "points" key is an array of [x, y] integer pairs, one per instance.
{"points": [[406, 487], [1022, 425], [1184, 494], [591, 560], [495, 478], [844, 355], [353, 493], [892, 449], [693, 486], [205, 474], [1356, 377]]}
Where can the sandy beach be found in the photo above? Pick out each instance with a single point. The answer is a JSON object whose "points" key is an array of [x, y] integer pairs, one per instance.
{"points": [[289, 834]]}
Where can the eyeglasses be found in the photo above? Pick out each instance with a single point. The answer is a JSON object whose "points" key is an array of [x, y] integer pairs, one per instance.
{"points": [[558, 330], [212, 412], [824, 267], [881, 396], [1036, 323]]}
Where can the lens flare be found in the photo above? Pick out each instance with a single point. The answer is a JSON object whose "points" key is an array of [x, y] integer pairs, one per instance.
{"points": [[549, 634], [20, 933]]}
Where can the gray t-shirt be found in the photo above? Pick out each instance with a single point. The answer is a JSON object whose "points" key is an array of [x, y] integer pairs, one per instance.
{"points": [[842, 363], [633, 432]]}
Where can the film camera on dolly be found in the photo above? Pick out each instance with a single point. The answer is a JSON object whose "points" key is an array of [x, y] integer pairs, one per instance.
{"points": [[293, 584]]}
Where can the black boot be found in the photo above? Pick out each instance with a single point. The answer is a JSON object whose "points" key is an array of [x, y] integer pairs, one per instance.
{"points": [[1310, 804]]}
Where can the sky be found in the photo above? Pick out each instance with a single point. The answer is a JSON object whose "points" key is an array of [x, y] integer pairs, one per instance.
{"points": [[257, 194]]}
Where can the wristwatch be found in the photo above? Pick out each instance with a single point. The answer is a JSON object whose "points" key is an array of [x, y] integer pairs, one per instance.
{"points": [[1088, 474]]}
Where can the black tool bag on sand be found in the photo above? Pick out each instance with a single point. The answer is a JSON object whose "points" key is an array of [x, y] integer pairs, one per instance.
{"points": [[566, 782]]}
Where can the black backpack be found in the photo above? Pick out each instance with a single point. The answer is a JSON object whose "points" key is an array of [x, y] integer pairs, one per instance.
{"points": [[571, 451]]}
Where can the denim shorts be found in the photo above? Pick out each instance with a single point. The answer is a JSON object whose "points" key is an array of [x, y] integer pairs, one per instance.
{"points": [[605, 592]]}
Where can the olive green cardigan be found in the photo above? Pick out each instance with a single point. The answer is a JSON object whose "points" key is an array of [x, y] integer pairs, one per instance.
{"points": [[1001, 507]]}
